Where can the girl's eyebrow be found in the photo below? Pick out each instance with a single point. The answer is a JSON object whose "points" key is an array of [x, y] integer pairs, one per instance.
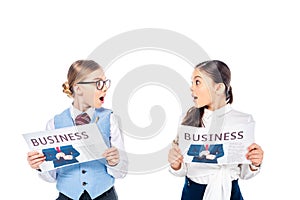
{"points": [[97, 78], [197, 77]]}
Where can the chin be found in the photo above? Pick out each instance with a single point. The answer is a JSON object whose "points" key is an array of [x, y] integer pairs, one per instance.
{"points": [[98, 105], [199, 105]]}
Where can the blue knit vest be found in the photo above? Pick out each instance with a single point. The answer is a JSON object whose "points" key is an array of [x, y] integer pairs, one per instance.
{"points": [[91, 176]]}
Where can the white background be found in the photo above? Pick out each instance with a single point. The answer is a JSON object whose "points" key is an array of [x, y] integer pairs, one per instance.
{"points": [[259, 40]]}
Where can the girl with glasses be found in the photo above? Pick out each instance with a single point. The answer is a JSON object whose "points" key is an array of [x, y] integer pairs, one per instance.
{"points": [[87, 85]]}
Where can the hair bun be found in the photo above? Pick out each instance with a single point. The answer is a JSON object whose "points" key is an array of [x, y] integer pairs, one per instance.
{"points": [[66, 89]]}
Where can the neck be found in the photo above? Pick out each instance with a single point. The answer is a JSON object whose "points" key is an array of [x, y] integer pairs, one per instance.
{"points": [[80, 106], [217, 105]]}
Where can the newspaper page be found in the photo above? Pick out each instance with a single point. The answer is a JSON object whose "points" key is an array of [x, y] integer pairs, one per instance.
{"points": [[67, 146], [227, 146]]}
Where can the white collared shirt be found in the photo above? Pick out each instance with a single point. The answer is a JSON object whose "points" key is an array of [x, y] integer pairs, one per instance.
{"points": [[206, 173]]}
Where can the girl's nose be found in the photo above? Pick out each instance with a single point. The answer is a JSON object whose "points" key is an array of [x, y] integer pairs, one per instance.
{"points": [[105, 88], [191, 88]]}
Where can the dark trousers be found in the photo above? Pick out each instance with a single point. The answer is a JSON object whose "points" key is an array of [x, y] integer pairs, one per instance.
{"points": [[108, 195], [195, 191]]}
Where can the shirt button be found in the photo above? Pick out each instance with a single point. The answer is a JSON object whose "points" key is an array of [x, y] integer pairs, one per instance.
{"points": [[83, 171], [84, 183]]}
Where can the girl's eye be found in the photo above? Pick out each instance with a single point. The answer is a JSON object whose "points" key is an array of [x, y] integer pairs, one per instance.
{"points": [[197, 82]]}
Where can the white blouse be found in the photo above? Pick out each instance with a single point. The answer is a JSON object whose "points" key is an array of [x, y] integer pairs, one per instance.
{"points": [[218, 177]]}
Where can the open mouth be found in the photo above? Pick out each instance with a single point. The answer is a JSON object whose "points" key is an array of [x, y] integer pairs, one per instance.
{"points": [[101, 98], [194, 97]]}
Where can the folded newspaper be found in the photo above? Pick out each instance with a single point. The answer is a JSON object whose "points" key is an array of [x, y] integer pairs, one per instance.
{"points": [[228, 145], [67, 146]]}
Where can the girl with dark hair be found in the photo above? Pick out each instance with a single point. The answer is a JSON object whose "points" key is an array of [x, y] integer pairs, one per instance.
{"points": [[87, 85], [212, 95]]}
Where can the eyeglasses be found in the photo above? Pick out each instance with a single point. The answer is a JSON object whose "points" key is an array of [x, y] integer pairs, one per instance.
{"points": [[99, 84]]}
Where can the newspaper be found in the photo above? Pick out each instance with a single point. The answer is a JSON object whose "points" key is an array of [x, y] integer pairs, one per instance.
{"points": [[67, 146], [226, 146]]}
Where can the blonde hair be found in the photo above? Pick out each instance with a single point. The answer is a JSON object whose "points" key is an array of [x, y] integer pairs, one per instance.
{"points": [[77, 72]]}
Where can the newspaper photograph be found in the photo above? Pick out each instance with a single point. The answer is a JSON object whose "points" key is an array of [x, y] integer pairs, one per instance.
{"points": [[67, 146], [225, 146]]}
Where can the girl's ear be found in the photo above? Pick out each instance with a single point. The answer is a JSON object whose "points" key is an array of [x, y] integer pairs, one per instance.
{"points": [[220, 88], [77, 90]]}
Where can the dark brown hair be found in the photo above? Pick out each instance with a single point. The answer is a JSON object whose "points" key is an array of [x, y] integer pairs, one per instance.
{"points": [[219, 72]]}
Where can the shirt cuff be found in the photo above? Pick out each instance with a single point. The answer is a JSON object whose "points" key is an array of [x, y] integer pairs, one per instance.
{"points": [[119, 170], [179, 172], [254, 168]]}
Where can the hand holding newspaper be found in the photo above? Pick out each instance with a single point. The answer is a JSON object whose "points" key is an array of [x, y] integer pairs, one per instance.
{"points": [[225, 146], [67, 146]]}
